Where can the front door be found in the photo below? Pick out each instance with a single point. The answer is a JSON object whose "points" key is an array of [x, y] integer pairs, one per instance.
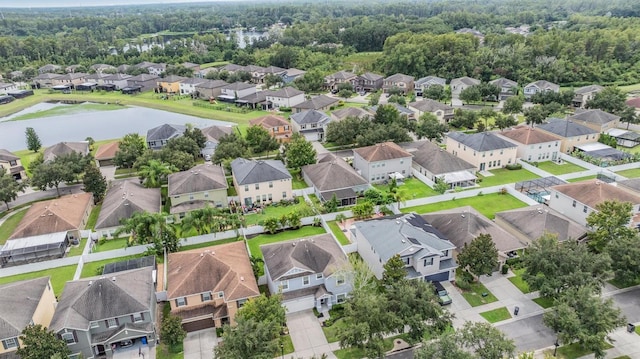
{"points": [[482, 166], [247, 201], [98, 349]]}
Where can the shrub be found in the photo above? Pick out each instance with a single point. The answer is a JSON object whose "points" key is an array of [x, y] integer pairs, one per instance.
{"points": [[513, 166], [503, 190], [463, 283], [505, 269], [514, 262]]}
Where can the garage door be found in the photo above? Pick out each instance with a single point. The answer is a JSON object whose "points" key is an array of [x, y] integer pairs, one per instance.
{"points": [[300, 304], [440, 277], [198, 325]]}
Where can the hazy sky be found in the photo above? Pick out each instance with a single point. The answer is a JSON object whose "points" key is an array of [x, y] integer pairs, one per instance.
{"points": [[75, 3]]}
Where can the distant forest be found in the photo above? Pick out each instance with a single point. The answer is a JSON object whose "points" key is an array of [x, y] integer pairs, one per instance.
{"points": [[569, 42]]}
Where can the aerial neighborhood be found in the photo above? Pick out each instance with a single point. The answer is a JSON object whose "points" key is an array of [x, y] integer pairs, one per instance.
{"points": [[300, 213]]}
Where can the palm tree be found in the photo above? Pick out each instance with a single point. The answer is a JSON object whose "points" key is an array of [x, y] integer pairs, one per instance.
{"points": [[154, 173]]}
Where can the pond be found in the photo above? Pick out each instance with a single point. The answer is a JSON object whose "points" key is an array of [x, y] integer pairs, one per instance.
{"points": [[100, 125]]}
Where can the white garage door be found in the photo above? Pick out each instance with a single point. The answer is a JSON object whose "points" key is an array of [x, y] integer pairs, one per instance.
{"points": [[300, 304]]}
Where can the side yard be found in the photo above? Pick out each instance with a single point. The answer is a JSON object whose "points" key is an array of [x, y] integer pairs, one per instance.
{"points": [[487, 204]]}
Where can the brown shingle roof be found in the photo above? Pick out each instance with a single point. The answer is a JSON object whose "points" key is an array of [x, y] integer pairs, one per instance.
{"points": [[65, 148], [593, 192], [58, 215], [332, 173], [222, 268], [107, 151], [200, 178], [123, 199], [527, 135], [535, 221], [381, 152], [269, 121]]}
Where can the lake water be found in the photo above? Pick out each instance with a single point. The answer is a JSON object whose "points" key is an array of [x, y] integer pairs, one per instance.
{"points": [[100, 125]]}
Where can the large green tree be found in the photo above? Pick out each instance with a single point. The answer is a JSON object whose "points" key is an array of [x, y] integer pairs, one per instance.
{"points": [[155, 173], [609, 222], [260, 140], [299, 152], [9, 187], [513, 105], [38, 342], [610, 99], [94, 182], [626, 251], [430, 127], [480, 256], [171, 329], [393, 271], [150, 228], [230, 147], [130, 148], [49, 175], [33, 140]]}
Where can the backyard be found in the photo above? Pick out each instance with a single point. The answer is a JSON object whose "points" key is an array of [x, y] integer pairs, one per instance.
{"points": [[10, 224], [632, 173], [410, 188], [338, 233], [92, 269], [59, 276], [503, 176], [257, 241], [277, 210], [487, 204], [556, 169]]}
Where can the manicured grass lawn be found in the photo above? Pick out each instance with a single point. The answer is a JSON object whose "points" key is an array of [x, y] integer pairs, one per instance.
{"points": [[331, 333], [623, 357], [213, 64], [337, 231], [92, 269], [410, 188], [638, 330], [357, 353], [59, 276], [580, 179], [93, 217], [164, 352], [621, 285], [474, 295], [298, 183], [209, 244], [288, 344], [629, 88], [26, 156], [544, 302], [632, 173], [487, 204], [519, 282], [504, 176], [110, 244], [556, 169], [7, 228], [126, 172], [76, 251], [68, 110], [574, 351], [276, 211], [257, 241], [496, 315]]}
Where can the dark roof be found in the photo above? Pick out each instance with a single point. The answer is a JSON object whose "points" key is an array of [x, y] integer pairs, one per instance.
{"points": [[212, 84], [252, 171], [438, 161], [97, 298], [565, 128], [382, 152], [308, 117], [129, 264], [7, 156], [238, 86], [481, 142], [332, 173], [632, 184], [429, 105], [18, 303], [286, 92], [254, 98], [535, 221], [143, 78], [351, 112], [596, 116], [342, 75], [371, 76], [205, 177], [165, 132], [123, 199], [65, 148], [317, 103]]}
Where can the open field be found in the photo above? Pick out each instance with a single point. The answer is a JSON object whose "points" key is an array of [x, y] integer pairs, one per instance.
{"points": [[487, 204]]}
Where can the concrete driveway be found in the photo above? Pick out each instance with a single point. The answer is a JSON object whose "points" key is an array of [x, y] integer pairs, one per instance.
{"points": [[200, 344], [529, 333], [307, 335]]}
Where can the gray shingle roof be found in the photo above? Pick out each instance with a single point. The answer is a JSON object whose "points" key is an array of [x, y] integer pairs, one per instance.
{"points": [[534, 221], [466, 81], [342, 75], [193, 81], [165, 132], [399, 78], [483, 141], [434, 80], [172, 79], [332, 173], [316, 103], [212, 84], [544, 85], [251, 171], [632, 184], [214, 133], [118, 77], [238, 86], [7, 156], [595, 116], [65, 148], [351, 112], [565, 128], [429, 105], [588, 89], [316, 254], [502, 82], [438, 161], [98, 298], [205, 177], [382, 152], [123, 199], [286, 92], [143, 78], [371, 76], [309, 117], [18, 302]]}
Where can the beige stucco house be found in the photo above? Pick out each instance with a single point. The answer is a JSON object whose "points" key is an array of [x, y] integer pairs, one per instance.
{"points": [[203, 185], [263, 181], [485, 150]]}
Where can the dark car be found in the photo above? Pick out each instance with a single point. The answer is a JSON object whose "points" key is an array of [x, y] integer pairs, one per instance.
{"points": [[443, 295]]}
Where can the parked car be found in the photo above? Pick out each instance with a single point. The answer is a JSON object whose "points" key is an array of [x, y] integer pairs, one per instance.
{"points": [[443, 295]]}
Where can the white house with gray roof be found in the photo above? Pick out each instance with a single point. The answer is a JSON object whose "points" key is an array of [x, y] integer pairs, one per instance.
{"points": [[484, 150], [263, 181], [158, 137], [423, 83], [236, 90], [572, 134], [582, 95], [461, 83], [334, 176], [285, 97], [426, 252], [311, 124], [188, 86], [540, 86], [507, 88], [380, 162], [433, 162], [595, 119]]}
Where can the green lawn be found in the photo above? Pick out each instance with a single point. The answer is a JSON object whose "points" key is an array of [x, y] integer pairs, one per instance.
{"points": [[619, 284], [8, 226], [487, 204], [331, 333], [297, 181], [77, 250], [638, 329], [93, 217], [287, 344], [632, 173], [164, 352], [68, 110], [110, 244], [544, 302], [257, 241], [519, 282], [504, 176], [556, 169], [357, 353], [277, 211], [335, 229], [574, 351], [629, 88], [496, 315], [26, 156], [92, 269], [580, 179], [59, 276], [474, 295], [213, 64], [411, 188], [623, 357]]}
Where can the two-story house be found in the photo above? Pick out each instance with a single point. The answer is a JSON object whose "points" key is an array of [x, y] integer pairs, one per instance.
{"points": [[205, 287], [100, 316], [210, 89], [23, 303], [462, 83], [484, 150], [144, 82], [331, 82], [595, 119], [401, 82], [188, 86], [122, 200], [45, 80], [72, 79], [48, 68], [311, 124], [381, 162], [119, 81], [533, 144], [433, 162], [285, 97], [201, 186], [278, 127], [359, 112], [540, 86], [320, 103], [262, 181], [158, 137], [12, 164], [334, 176], [507, 88], [5, 88], [213, 134], [571, 133], [291, 75], [443, 112], [426, 253], [157, 69], [310, 272], [582, 95], [235, 91], [170, 84], [423, 83], [102, 68]]}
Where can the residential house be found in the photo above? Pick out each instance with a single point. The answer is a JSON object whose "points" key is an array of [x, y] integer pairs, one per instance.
{"points": [[170, 84], [72, 68], [188, 86], [262, 181], [381, 162], [359, 112], [122, 200], [311, 124], [540, 86], [256, 72], [5, 88], [624, 138], [48, 68], [331, 176], [320, 103], [23, 303], [12, 164], [595, 119], [368, 82], [231, 68], [73, 79], [403, 111], [256, 100], [210, 89], [422, 84], [97, 78], [201, 186], [206, 287], [145, 81], [45, 80], [191, 66], [278, 127], [144, 65], [585, 94], [157, 69], [577, 200], [158, 137], [65, 148], [236, 90], [202, 73], [605, 155], [426, 253], [96, 316], [333, 81], [106, 153], [633, 102], [507, 87], [291, 74], [632, 185], [530, 223], [433, 162], [285, 97], [443, 112], [270, 70], [533, 144], [484, 150], [123, 68], [398, 81], [462, 83], [213, 135], [464, 224], [119, 81], [571, 133], [16, 75], [101, 68], [310, 272]]}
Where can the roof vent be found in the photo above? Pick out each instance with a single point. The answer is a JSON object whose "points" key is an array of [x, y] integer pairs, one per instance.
{"points": [[113, 279], [90, 283], [403, 241], [293, 244], [462, 215], [397, 222], [201, 254], [242, 279]]}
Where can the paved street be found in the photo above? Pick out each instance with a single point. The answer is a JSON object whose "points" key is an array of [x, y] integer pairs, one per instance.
{"points": [[629, 302], [529, 333]]}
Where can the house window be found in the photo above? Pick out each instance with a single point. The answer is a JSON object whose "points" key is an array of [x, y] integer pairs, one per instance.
{"points": [[340, 298], [340, 280], [205, 296], [270, 196], [10, 343], [445, 253], [557, 195], [13, 163], [257, 186], [319, 276], [284, 285], [246, 187], [574, 203], [206, 195], [220, 294], [95, 325], [306, 280], [406, 260], [284, 194], [427, 261], [112, 323], [264, 198], [181, 302], [137, 317], [584, 209], [401, 162], [69, 338], [270, 184]]}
